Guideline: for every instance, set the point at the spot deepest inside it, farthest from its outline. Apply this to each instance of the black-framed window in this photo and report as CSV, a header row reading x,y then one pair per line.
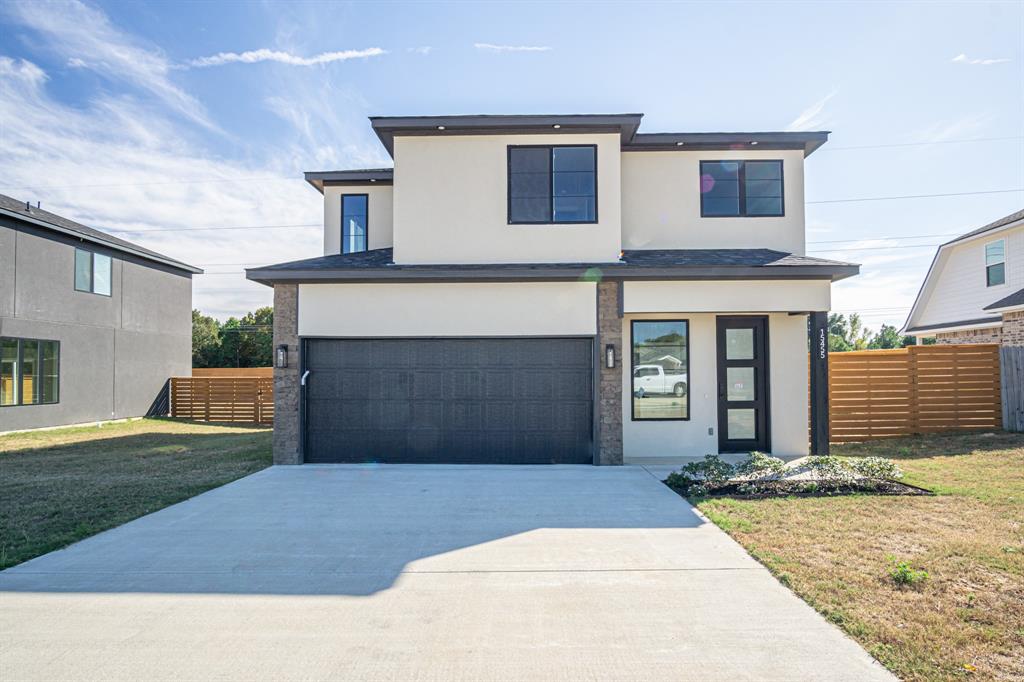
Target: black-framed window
x,y
92,272
29,372
660,370
741,188
995,263
552,184
355,209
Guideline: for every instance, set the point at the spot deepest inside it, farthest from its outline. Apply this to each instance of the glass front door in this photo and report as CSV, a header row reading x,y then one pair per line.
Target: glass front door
x,y
743,384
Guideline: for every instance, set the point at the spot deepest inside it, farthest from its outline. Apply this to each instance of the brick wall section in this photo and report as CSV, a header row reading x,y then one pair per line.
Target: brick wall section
x,y
992,335
1013,329
286,381
609,390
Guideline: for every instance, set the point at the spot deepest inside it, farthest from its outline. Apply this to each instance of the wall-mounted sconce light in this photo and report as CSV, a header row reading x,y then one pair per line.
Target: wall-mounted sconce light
x,y
609,356
282,357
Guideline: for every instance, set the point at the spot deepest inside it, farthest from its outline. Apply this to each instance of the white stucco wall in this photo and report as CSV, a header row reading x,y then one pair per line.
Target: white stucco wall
x,y
956,289
451,203
788,384
727,296
661,204
379,215
448,309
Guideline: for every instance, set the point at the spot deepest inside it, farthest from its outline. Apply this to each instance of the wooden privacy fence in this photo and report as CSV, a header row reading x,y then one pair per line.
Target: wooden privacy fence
x,y
1011,374
920,389
223,398
232,371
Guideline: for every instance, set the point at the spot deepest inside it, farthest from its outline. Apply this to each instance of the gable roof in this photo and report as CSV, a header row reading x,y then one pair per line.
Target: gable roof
x,y
1014,300
379,265
22,211
1005,221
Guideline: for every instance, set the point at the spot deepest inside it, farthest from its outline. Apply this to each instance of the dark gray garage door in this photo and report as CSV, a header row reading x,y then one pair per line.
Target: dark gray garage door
x,y
498,401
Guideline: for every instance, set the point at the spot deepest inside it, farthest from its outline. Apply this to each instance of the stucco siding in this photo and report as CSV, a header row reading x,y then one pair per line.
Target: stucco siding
x,y
7,251
448,309
451,203
957,291
661,204
725,296
380,210
697,437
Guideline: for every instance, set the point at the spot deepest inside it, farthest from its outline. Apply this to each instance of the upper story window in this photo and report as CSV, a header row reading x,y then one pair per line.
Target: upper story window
x,y
29,372
552,184
92,272
741,188
354,213
995,263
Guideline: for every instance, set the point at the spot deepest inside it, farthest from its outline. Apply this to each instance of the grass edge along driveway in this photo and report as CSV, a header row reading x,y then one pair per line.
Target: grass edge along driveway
x,y
966,619
62,485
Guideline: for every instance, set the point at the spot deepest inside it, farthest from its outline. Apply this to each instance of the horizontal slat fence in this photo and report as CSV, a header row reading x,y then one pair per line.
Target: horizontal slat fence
x,y
232,371
223,399
919,389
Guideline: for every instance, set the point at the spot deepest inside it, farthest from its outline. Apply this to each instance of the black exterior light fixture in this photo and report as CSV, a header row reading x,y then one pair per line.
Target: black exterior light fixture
x,y
281,361
609,356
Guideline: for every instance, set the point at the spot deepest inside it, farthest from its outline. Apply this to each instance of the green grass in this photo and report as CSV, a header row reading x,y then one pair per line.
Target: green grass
x,y
967,618
62,485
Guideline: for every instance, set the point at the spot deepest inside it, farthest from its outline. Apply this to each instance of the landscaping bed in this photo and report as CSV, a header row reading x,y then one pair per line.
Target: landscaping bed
x,y
807,488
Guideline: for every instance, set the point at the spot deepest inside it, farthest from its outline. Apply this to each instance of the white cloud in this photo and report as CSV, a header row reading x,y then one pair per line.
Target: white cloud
x,y
964,59
85,36
425,50
512,48
76,63
281,57
811,118
965,126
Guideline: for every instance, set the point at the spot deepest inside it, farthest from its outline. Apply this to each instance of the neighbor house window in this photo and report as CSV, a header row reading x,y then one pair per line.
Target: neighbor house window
x,y
660,369
92,272
354,211
741,188
29,372
995,263
553,184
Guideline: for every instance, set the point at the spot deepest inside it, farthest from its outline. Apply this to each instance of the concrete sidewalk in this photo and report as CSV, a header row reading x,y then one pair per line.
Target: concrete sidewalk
x,y
417,572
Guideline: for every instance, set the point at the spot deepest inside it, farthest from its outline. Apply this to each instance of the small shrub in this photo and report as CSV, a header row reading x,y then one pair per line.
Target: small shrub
x,y
809,487
829,468
760,465
904,575
712,470
679,481
877,467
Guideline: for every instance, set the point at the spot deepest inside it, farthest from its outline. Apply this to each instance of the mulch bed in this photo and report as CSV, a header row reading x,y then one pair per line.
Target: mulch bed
x,y
805,488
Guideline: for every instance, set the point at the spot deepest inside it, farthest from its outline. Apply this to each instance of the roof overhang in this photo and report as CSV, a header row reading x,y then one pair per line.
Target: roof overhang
x,y
956,326
543,272
74,234
369,176
388,127
659,142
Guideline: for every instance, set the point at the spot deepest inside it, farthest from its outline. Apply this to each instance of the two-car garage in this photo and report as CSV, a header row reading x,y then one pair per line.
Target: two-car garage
x,y
449,400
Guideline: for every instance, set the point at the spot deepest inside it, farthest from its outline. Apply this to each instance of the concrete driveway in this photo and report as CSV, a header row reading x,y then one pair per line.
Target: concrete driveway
x,y
417,573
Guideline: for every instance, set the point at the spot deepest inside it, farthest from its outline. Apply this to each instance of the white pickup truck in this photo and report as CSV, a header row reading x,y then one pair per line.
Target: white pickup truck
x,y
654,380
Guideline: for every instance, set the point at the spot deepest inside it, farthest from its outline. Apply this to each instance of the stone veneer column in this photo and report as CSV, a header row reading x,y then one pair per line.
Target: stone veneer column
x,y
286,381
608,411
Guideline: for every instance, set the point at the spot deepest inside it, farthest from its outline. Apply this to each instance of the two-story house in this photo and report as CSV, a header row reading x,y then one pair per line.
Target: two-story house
x,y
540,289
973,290
91,326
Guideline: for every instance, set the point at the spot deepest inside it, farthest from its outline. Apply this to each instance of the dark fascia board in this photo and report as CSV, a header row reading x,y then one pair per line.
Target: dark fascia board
x,y
387,127
956,323
113,246
583,272
660,142
369,176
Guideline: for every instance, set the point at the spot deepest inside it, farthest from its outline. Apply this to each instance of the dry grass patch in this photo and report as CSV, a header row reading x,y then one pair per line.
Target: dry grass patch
x,y
62,485
967,618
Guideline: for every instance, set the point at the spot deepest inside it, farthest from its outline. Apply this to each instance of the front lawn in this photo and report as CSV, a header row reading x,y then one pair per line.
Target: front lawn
x,y
966,619
62,485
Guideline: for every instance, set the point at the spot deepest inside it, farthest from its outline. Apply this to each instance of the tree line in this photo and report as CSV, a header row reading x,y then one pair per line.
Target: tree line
x,y
849,333
245,342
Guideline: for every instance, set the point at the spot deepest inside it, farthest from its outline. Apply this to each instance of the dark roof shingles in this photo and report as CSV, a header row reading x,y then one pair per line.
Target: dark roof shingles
x,y
1014,299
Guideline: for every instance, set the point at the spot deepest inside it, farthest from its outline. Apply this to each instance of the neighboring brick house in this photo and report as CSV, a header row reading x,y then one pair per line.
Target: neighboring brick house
x,y
91,326
974,289
555,289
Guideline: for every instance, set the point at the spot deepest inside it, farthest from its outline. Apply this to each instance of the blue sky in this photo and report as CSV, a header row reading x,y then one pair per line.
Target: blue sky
x,y
154,120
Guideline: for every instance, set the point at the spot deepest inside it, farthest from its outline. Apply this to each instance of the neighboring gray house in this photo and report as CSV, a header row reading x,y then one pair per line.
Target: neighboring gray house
x,y
494,297
91,326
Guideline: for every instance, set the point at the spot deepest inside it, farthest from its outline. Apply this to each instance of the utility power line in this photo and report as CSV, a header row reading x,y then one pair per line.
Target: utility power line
x,y
914,196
